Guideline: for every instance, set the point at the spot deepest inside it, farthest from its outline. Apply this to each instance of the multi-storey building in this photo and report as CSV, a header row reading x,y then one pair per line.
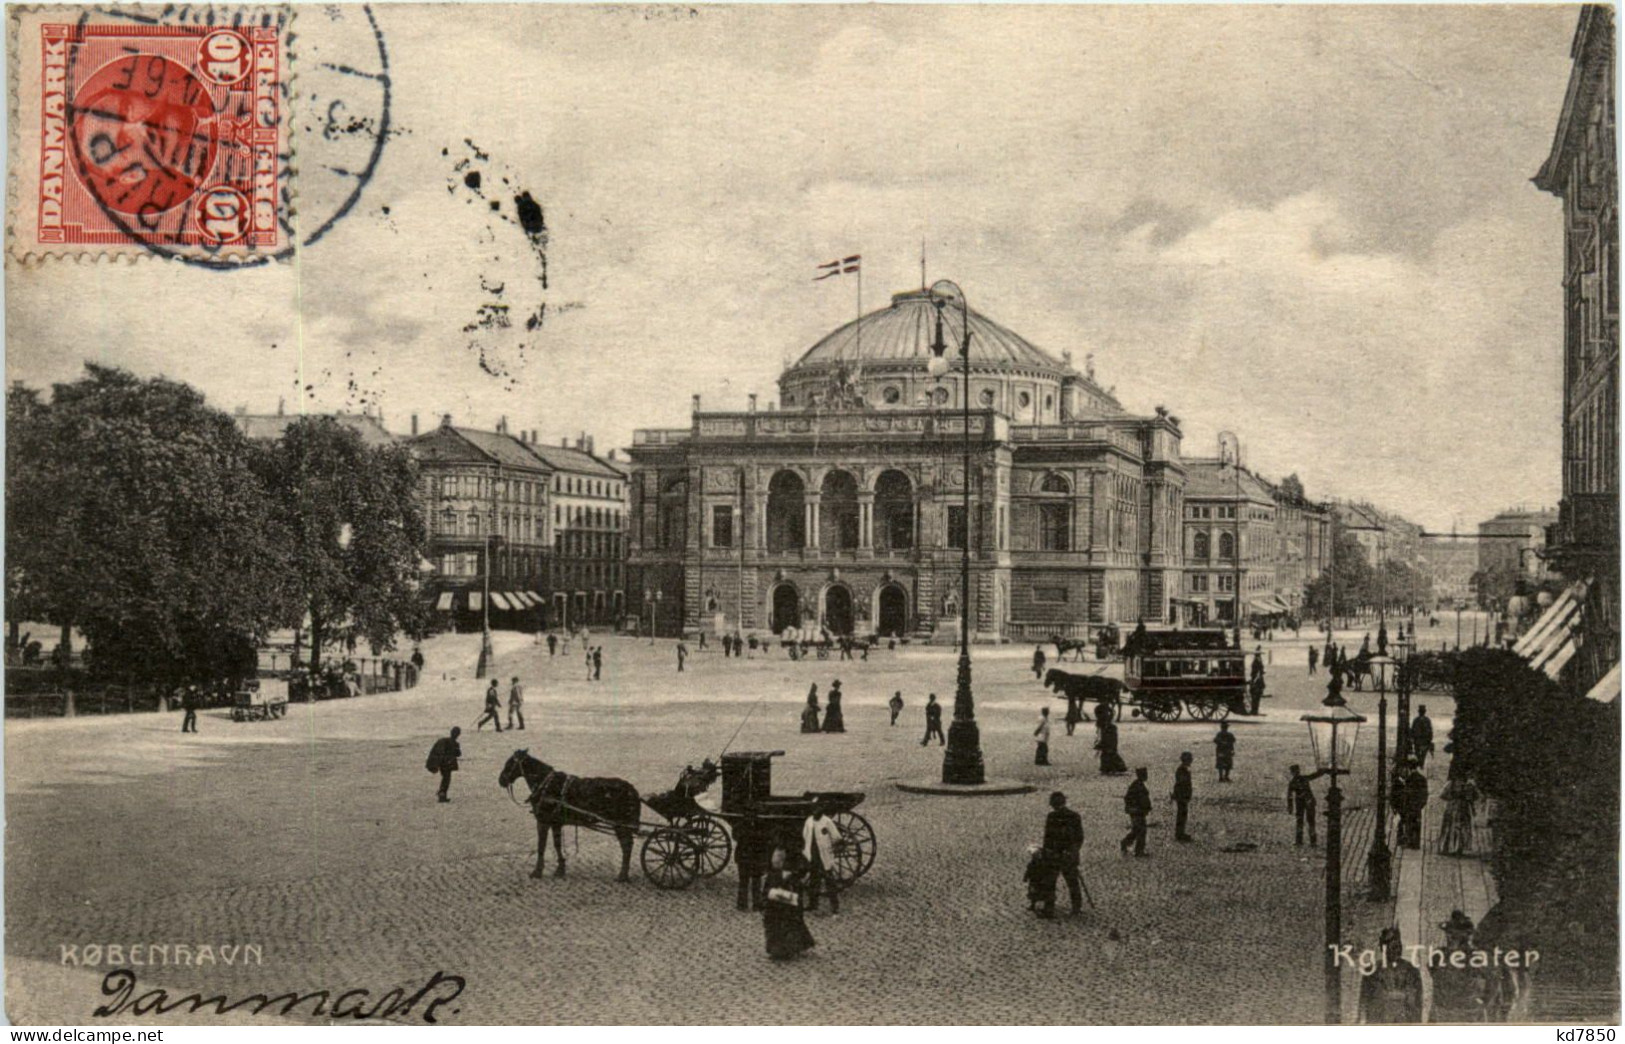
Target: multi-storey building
x,y
1582,170
844,509
1450,562
1302,544
1231,542
1513,544
486,503
588,510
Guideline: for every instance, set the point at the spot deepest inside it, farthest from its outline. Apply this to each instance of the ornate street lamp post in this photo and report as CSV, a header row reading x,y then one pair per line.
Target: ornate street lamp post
x,y
1332,733
1380,861
962,759
486,653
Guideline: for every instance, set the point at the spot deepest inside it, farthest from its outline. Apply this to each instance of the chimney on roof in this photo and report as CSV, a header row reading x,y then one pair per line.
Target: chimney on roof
x,y
502,424
589,445
445,420
696,404
564,442
279,404
753,402
414,424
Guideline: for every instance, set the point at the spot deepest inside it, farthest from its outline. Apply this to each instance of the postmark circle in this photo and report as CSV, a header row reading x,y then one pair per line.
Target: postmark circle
x,y
146,134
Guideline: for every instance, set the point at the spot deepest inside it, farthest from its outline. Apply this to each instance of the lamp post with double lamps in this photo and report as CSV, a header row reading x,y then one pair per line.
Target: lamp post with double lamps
x,y
1332,733
1379,862
962,759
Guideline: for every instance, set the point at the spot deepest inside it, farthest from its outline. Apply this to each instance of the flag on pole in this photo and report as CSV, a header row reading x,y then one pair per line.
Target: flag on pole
x,y
845,266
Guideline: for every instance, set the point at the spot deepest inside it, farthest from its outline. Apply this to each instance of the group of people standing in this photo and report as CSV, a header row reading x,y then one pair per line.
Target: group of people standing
x,y
784,880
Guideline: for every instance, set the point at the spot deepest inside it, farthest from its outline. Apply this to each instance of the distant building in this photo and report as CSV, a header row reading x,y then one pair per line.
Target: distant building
x,y
1302,544
1450,562
586,580
1366,525
1225,503
485,496
1582,171
1513,544
268,427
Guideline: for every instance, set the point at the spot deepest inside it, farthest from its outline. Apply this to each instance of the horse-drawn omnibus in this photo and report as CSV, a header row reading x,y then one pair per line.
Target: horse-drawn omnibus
x,y
1195,670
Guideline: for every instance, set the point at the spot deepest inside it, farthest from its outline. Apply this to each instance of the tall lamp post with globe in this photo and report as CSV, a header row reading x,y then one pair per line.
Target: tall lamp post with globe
x,y
1332,732
962,759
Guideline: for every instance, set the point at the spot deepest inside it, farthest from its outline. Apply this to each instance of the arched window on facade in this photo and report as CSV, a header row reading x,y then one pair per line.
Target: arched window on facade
x,y
894,512
1227,545
786,512
838,512
674,512
1202,546
1055,514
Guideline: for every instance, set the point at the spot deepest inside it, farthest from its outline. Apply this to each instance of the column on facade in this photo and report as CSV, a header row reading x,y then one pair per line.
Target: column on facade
x,y
866,519
813,502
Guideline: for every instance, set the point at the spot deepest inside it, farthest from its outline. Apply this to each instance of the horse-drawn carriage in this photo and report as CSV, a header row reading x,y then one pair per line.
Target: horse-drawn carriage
x,y
257,702
1194,671
691,841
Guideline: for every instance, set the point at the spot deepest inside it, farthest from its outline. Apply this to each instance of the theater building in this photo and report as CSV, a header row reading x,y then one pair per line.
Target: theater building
x,y
841,506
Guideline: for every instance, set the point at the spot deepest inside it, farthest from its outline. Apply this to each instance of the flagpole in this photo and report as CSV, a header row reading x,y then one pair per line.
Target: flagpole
x,y
860,314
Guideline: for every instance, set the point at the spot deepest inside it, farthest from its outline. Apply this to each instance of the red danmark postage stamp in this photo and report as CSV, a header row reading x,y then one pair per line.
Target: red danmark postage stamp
x,y
167,138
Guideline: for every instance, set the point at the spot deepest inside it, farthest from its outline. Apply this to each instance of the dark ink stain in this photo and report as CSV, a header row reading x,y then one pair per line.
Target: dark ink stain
x,y
472,180
530,215
496,205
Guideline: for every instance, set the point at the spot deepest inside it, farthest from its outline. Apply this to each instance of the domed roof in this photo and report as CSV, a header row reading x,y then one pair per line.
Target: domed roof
x,y
903,333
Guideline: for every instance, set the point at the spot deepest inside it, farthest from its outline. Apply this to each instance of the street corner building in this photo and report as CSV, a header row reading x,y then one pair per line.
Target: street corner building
x,y
842,506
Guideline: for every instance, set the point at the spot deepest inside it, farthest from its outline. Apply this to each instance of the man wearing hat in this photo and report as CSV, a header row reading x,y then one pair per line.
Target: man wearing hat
x,y
1063,840
1391,994
1137,803
1422,736
1182,794
1459,990
1410,800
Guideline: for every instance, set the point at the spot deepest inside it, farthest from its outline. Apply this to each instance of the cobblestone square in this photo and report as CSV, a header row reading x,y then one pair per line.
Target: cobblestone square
x,y
317,838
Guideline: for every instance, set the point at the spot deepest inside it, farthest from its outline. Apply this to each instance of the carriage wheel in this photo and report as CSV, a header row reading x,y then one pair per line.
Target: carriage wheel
x,y
855,852
1221,710
1161,708
711,841
1202,710
670,859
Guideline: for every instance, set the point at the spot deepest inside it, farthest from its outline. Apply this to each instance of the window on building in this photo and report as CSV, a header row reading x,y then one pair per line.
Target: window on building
x,y
956,525
1055,527
1227,582
1202,546
1198,582
1227,545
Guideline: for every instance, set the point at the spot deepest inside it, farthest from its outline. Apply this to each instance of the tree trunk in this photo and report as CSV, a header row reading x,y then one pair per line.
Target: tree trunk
x,y
316,637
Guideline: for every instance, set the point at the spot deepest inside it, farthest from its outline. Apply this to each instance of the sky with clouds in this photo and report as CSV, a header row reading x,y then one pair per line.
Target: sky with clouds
x,y
1310,225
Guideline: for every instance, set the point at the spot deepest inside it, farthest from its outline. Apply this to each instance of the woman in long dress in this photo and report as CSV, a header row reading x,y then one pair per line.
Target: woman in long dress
x,y
1111,763
809,716
783,923
833,720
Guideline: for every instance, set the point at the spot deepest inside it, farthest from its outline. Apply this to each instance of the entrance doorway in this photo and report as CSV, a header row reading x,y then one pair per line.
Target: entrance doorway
x,y
892,619
786,607
838,610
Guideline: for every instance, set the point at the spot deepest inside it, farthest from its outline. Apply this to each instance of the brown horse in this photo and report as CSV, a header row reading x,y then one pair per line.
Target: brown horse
x,y
1083,687
557,800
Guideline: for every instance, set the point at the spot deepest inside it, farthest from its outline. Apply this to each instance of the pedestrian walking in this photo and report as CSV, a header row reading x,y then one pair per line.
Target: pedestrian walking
x,y
417,658
682,653
1039,877
1391,994
1461,989
1137,803
702,639
493,708
819,838
1038,662
1314,655
1300,801
1111,762
933,721
1041,736
1412,801
1421,737
1181,797
1063,841
443,759
189,703
597,662
1224,751
833,719
783,923
516,704
1074,712
552,643
809,713
896,705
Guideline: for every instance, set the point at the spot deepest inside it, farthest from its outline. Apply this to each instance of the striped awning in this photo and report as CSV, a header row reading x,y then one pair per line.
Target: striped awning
x,y
526,599
537,596
476,601
1550,644
443,603
499,601
518,599
1606,690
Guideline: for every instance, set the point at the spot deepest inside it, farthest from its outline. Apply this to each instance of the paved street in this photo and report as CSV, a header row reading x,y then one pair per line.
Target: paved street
x,y
318,838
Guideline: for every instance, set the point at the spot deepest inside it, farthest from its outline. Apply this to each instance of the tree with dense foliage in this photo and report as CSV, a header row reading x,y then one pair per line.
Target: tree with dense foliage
x,y
1348,574
134,515
357,532
1292,487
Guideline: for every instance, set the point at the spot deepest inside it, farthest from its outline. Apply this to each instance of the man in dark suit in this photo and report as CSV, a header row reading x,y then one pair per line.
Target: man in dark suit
x,y
1182,797
933,721
1137,803
443,759
1063,840
189,705
1421,736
